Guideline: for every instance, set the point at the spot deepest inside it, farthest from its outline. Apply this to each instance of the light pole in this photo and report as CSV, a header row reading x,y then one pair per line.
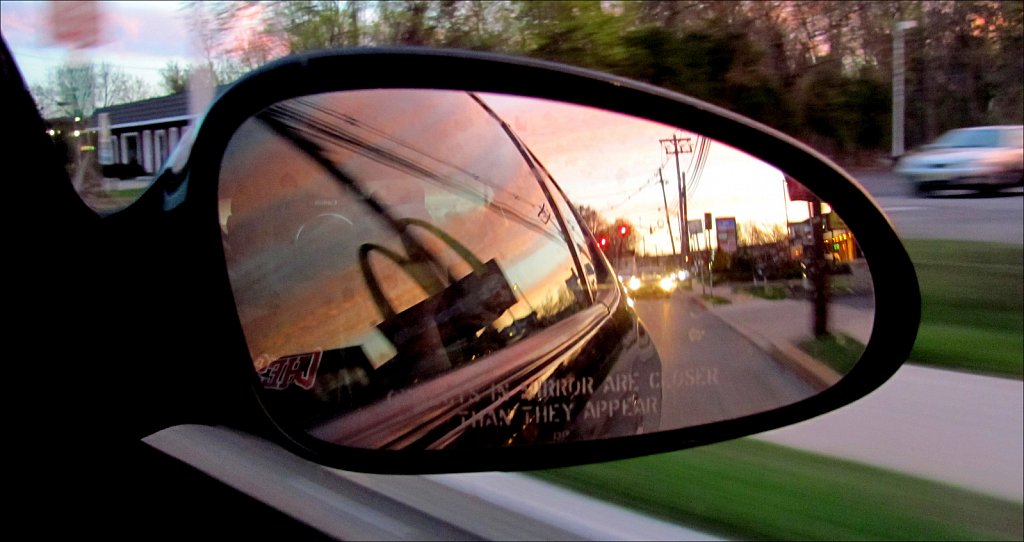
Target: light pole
x,y
897,86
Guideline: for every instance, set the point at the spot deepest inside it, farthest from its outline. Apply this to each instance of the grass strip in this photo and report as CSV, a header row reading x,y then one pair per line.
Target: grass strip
x,y
768,292
127,193
974,349
972,305
840,352
750,489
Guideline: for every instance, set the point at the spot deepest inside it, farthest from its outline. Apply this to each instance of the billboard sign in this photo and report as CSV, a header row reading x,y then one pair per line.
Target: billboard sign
x,y
726,228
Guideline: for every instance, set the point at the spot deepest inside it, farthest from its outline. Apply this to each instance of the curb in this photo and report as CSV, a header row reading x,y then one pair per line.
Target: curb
x,y
806,367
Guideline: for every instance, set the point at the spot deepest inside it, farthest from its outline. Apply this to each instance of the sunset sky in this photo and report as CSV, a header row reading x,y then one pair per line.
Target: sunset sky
x,y
608,161
140,37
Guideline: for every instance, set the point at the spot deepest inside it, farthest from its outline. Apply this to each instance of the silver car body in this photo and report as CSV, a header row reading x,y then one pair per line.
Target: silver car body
x,y
980,158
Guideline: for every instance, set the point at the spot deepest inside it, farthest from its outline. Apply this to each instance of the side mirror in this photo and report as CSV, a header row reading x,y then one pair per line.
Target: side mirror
x,y
413,244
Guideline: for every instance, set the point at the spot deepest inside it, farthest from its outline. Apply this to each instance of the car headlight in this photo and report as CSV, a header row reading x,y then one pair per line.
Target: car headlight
x,y
634,283
668,284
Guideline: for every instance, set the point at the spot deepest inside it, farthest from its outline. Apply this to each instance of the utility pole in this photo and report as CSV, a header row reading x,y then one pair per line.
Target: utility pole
x,y
643,237
684,231
898,77
668,223
684,228
785,207
818,270
711,261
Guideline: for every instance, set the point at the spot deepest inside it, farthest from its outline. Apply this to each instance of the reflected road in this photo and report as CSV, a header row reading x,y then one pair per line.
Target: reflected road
x,y
710,371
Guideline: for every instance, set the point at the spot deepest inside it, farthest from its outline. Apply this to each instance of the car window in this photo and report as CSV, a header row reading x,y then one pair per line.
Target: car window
x,y
968,139
599,278
1013,137
431,202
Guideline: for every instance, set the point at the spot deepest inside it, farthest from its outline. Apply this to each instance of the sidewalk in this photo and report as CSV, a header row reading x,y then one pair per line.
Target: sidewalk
x,y
778,326
959,428
955,427
110,185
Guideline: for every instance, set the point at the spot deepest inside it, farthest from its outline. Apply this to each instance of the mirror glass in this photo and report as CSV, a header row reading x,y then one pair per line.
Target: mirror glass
x,y
439,269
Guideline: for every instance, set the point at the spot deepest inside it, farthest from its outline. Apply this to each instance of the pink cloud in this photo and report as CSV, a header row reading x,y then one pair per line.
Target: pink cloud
x,y
20,23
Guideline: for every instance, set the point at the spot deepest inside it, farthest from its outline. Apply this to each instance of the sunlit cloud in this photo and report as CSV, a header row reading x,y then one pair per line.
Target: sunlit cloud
x,y
20,23
138,37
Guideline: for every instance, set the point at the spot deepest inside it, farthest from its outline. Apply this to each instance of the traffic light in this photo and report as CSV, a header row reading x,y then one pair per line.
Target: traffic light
x,y
603,241
623,230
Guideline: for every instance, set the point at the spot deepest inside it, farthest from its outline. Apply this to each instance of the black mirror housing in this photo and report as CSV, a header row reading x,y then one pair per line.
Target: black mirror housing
x,y
192,197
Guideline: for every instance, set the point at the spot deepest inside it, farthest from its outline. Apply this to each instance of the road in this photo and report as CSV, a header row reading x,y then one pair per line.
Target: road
x,y
969,218
709,371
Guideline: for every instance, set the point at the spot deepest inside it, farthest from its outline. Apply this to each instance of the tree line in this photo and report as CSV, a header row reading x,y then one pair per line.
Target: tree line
x,y
818,70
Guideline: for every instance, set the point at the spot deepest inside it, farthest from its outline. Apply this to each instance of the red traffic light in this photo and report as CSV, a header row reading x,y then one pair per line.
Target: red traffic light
x,y
603,241
623,230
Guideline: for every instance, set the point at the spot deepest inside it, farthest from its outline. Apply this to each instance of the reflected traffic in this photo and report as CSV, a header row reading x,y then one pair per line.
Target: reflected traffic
x,y
409,273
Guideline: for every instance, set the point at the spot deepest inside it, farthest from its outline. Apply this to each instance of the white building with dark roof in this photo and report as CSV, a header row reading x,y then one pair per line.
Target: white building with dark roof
x,y
144,132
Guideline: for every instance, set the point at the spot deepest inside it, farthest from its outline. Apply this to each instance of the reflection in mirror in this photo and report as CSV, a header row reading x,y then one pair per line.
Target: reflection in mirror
x,y
409,274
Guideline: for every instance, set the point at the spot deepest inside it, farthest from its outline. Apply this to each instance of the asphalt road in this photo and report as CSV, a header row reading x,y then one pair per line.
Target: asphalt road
x,y
709,371
963,217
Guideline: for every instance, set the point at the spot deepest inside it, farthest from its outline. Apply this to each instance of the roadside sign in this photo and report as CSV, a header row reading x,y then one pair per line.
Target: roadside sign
x,y
694,226
798,192
726,231
707,221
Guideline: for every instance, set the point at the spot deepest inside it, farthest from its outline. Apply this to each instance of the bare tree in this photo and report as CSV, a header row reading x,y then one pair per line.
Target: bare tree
x,y
78,90
175,77
114,86
591,218
754,234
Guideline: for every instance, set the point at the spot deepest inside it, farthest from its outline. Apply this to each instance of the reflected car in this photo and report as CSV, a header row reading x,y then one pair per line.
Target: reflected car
x,y
985,158
653,285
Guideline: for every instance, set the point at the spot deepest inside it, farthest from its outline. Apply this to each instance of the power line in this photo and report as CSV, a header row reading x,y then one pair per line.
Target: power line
x,y
648,183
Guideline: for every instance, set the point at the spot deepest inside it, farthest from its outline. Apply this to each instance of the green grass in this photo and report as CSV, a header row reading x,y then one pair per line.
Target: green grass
x,y
972,305
717,300
128,193
768,292
841,352
749,489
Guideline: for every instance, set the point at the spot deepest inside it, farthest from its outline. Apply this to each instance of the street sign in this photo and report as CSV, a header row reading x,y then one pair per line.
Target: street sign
x,y
694,226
